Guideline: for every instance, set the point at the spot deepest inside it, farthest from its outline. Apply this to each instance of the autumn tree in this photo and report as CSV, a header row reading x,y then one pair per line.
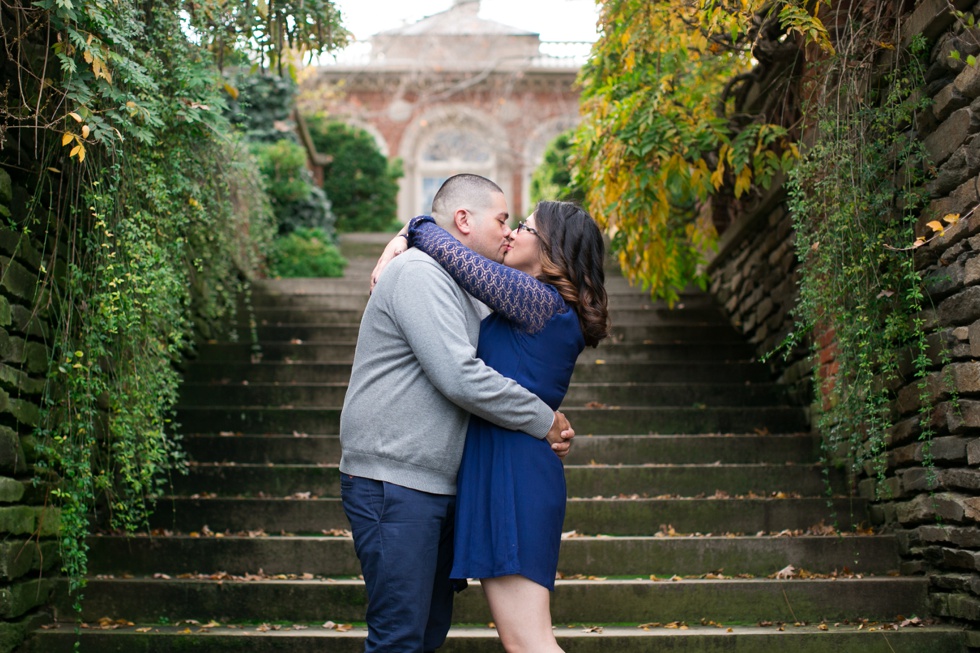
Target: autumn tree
x,y
660,133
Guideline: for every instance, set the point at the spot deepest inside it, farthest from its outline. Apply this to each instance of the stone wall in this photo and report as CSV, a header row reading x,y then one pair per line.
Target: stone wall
x,y
934,509
28,527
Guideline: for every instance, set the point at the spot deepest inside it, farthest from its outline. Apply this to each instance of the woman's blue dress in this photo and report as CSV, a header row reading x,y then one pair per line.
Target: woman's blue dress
x,y
510,501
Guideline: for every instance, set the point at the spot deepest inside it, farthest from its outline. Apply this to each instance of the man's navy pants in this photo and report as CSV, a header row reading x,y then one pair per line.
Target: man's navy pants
x,y
404,540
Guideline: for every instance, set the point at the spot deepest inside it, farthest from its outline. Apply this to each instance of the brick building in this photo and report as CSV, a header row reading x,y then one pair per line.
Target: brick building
x,y
454,93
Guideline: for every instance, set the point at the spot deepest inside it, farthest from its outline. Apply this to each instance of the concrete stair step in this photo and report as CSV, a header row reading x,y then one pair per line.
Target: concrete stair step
x,y
589,556
694,449
325,352
623,372
579,394
595,421
643,313
611,516
275,330
574,601
676,394
322,480
576,638
602,449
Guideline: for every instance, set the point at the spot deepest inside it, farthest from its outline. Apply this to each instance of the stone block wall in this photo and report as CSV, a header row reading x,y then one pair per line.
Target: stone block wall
x,y
755,279
931,491
28,526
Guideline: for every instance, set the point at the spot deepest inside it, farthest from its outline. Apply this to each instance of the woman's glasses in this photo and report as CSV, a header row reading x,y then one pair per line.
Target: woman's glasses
x,y
523,226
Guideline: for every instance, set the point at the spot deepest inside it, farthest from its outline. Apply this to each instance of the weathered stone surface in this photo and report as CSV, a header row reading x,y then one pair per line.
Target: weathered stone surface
x,y
954,535
20,597
973,452
12,458
961,308
18,280
952,132
948,506
963,164
17,520
19,557
6,188
10,490
964,479
918,479
948,100
963,417
29,520
930,19
964,606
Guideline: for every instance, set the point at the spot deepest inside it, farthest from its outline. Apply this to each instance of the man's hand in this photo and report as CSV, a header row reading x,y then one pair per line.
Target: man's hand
x,y
396,246
560,436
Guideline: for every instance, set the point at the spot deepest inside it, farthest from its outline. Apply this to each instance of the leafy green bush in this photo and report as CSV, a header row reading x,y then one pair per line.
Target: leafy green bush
x,y
297,203
306,253
361,184
552,180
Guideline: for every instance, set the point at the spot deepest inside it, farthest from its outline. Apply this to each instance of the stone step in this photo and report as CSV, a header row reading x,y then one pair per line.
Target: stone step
x,y
322,480
596,421
629,372
645,313
588,556
611,516
579,394
573,638
327,352
574,601
277,331
604,449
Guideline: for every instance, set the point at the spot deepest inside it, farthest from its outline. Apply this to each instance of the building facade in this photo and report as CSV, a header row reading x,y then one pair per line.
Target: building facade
x,y
454,93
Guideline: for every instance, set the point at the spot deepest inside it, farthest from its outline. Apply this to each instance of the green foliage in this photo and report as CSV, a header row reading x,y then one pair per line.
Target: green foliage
x,y
658,135
269,31
263,109
151,221
855,195
297,203
552,180
282,163
305,253
361,184
262,106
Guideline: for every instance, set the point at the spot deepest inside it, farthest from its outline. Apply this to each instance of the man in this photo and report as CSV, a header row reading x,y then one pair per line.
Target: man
x,y
416,380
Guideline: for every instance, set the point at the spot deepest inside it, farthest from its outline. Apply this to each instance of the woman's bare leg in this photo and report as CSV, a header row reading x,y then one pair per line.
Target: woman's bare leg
x,y
522,612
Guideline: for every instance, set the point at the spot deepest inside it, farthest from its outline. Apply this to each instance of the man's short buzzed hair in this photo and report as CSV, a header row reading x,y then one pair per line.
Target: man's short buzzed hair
x,y
460,190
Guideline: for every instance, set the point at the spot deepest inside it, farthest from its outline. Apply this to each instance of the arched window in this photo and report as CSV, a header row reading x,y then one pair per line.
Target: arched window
x,y
447,152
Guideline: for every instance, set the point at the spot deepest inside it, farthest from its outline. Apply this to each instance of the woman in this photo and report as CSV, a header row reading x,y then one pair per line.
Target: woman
x,y
549,302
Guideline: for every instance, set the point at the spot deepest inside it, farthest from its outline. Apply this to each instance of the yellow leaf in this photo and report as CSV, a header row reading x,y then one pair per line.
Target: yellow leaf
x,y
919,242
131,104
75,150
85,131
66,139
936,225
231,90
951,218
77,117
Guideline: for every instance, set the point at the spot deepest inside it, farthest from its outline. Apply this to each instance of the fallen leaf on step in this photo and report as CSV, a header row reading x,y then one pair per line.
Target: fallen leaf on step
x,y
789,571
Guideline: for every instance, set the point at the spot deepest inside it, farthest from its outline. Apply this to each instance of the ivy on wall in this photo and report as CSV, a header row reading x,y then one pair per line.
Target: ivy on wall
x,y
151,212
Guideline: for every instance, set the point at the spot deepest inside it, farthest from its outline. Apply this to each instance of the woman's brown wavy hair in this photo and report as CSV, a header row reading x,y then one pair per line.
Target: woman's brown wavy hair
x,y
572,256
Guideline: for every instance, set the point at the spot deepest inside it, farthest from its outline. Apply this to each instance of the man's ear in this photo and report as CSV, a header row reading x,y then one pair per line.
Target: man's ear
x,y
461,218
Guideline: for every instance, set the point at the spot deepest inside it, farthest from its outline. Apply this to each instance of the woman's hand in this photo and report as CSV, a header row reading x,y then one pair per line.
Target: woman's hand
x,y
396,246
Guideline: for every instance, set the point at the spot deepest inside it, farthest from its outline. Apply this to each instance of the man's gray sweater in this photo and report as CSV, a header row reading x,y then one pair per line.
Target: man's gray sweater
x,y
417,378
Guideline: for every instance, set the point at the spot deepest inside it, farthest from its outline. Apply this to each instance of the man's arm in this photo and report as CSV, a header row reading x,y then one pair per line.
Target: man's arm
x,y
426,305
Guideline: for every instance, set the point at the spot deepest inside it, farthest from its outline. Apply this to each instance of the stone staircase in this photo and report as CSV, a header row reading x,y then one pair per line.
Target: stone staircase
x,y
698,516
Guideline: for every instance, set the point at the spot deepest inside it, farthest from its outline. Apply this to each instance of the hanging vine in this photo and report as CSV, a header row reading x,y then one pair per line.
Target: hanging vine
x,y
150,214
